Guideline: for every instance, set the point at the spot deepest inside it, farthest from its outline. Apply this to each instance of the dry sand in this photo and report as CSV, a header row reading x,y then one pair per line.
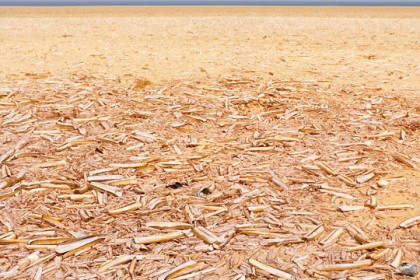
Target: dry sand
x,y
375,47
217,98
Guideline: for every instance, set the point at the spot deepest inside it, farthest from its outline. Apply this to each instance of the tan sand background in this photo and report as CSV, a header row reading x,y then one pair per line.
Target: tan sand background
x,y
371,46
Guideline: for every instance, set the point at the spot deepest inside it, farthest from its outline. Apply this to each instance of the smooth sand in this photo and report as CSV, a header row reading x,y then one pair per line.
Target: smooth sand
x,y
374,47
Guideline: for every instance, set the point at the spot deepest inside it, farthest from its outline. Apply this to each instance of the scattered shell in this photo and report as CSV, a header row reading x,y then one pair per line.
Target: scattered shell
x,y
268,168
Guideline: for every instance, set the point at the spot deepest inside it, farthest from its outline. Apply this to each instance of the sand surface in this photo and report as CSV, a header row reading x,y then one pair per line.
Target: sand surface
x,y
217,98
375,47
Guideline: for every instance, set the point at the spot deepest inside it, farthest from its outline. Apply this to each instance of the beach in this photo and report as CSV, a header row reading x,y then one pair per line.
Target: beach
x,y
360,44
209,142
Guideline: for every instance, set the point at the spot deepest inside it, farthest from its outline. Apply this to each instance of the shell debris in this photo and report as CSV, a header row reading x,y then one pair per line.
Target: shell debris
x,y
234,178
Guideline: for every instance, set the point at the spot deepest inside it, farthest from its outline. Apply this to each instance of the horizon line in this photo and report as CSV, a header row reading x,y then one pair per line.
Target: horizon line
x,y
214,5
73,3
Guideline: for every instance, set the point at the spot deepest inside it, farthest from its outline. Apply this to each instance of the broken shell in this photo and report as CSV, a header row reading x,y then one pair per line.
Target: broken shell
x,y
382,183
204,192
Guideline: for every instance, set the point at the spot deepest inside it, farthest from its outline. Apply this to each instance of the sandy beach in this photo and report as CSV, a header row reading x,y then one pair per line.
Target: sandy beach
x,y
364,46
209,142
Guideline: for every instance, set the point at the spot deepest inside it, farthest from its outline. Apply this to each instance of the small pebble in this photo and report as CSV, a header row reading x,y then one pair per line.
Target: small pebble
x,y
408,269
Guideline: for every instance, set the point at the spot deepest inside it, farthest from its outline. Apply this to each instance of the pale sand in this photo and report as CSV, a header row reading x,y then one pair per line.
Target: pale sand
x,y
376,47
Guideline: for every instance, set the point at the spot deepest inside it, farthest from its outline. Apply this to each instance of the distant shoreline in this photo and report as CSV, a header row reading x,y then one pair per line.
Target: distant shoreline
x,y
104,3
257,11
